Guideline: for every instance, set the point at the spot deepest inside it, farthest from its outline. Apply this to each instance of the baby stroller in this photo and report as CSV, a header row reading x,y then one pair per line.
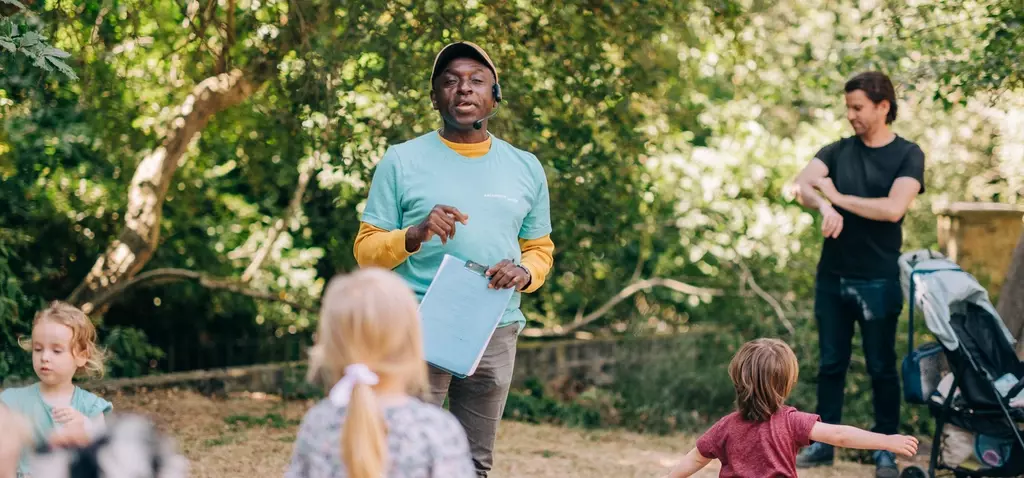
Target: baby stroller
x,y
983,372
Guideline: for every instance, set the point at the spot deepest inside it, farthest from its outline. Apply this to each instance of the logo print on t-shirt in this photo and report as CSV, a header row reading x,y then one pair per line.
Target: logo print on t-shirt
x,y
501,196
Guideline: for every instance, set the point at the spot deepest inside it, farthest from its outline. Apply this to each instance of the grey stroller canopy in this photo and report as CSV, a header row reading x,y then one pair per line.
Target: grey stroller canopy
x,y
942,289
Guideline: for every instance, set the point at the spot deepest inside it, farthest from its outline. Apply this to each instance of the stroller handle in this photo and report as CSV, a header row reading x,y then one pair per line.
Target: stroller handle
x,y
912,300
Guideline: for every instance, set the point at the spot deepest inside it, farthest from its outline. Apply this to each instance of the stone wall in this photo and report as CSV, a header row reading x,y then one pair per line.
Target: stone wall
x,y
980,237
586,361
553,363
267,378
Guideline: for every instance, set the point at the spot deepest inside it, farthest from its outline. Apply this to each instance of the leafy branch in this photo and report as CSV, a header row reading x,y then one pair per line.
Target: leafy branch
x,y
32,45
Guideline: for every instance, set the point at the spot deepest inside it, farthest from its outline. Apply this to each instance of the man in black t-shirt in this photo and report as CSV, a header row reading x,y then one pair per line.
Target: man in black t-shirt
x,y
868,181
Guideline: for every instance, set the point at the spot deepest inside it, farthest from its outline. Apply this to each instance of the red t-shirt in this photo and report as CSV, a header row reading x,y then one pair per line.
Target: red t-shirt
x,y
751,449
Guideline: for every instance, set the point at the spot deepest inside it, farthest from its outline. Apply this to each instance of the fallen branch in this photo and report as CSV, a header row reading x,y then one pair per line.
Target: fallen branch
x,y
749,279
168,275
560,330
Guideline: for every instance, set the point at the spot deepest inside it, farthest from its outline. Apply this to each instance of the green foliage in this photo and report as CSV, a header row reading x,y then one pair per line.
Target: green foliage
x,y
16,311
296,387
130,353
668,131
689,388
32,45
967,46
531,405
684,389
272,420
683,386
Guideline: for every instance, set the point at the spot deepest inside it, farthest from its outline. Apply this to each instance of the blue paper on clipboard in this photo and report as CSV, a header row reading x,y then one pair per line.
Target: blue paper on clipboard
x,y
459,314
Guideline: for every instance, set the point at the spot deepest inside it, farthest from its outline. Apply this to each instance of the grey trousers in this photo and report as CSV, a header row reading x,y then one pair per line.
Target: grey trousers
x,y
478,400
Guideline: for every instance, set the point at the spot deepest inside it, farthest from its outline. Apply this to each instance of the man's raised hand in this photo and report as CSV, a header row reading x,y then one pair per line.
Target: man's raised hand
x,y
441,222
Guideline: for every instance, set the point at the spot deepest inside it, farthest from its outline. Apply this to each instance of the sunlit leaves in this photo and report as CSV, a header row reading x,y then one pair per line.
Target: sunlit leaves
x,y
34,47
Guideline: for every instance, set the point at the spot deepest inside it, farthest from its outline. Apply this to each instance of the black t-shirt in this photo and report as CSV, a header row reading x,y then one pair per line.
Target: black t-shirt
x,y
866,248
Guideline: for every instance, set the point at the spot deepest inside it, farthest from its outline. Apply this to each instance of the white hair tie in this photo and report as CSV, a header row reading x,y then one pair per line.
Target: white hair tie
x,y
355,374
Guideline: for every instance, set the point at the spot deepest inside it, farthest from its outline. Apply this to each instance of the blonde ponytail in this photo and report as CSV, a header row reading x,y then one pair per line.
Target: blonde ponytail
x,y
364,447
369,334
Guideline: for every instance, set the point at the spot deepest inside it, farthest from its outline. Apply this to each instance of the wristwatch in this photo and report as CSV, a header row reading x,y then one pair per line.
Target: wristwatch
x,y
529,277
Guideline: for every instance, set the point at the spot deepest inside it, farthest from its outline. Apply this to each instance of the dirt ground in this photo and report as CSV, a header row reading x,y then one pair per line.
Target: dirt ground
x,y
251,435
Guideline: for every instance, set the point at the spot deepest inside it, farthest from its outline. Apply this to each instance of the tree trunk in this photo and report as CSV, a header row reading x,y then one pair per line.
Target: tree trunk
x,y
134,247
1011,297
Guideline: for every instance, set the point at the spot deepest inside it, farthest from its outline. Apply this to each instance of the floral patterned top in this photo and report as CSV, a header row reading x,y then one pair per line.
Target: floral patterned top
x,y
424,441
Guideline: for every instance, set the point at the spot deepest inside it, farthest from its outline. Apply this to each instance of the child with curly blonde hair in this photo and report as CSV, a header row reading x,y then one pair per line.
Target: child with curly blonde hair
x,y
63,345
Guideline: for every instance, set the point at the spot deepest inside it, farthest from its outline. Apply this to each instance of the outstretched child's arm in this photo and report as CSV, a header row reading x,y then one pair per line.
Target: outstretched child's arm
x,y
690,464
851,437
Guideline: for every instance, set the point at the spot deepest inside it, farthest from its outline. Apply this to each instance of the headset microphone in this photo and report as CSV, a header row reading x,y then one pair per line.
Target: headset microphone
x,y
496,93
480,122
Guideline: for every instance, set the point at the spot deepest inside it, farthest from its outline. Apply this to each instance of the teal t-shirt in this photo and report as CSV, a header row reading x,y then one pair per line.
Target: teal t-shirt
x,y
504,193
28,401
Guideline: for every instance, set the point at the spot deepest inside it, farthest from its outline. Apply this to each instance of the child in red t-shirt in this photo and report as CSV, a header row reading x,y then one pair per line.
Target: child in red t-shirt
x,y
762,437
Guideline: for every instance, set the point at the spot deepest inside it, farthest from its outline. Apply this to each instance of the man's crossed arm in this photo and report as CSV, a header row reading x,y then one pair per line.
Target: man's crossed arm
x,y
814,180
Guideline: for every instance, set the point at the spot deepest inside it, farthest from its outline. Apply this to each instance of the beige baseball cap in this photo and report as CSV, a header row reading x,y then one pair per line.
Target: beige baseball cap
x,y
461,49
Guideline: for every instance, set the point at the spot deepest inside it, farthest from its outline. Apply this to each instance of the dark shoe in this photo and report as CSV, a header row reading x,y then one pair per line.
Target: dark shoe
x,y
818,454
885,465
913,471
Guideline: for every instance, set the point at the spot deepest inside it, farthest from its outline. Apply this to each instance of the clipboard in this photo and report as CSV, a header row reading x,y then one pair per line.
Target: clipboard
x,y
459,314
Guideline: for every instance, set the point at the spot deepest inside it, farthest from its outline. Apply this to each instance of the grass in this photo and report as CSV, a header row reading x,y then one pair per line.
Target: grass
x,y
272,420
251,434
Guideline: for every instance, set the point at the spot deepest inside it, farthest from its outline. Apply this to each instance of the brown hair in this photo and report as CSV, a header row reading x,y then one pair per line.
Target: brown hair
x,y
368,317
877,86
83,334
763,372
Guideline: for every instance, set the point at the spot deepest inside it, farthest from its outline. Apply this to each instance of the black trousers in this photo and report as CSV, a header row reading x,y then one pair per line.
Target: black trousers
x,y
874,304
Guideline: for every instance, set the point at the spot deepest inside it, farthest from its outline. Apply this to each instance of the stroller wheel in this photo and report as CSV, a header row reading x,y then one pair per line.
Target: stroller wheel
x,y
913,471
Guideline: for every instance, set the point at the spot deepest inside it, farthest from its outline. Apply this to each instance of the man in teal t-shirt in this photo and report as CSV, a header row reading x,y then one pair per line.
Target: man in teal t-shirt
x,y
464,192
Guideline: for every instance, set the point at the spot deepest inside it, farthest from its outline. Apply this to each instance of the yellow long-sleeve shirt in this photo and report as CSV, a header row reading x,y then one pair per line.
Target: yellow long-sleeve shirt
x,y
382,248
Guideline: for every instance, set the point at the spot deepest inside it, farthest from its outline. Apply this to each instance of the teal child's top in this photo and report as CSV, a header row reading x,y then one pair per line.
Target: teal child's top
x,y
28,401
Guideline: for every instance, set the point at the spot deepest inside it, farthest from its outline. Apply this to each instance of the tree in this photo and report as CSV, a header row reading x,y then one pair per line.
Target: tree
x,y
325,51
134,247
1011,297
200,161
202,179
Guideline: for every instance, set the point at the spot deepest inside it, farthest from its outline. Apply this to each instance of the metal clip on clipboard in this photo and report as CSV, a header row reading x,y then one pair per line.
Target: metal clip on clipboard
x,y
476,267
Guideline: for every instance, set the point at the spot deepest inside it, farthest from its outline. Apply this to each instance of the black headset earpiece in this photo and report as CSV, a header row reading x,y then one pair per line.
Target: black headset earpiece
x,y
496,92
